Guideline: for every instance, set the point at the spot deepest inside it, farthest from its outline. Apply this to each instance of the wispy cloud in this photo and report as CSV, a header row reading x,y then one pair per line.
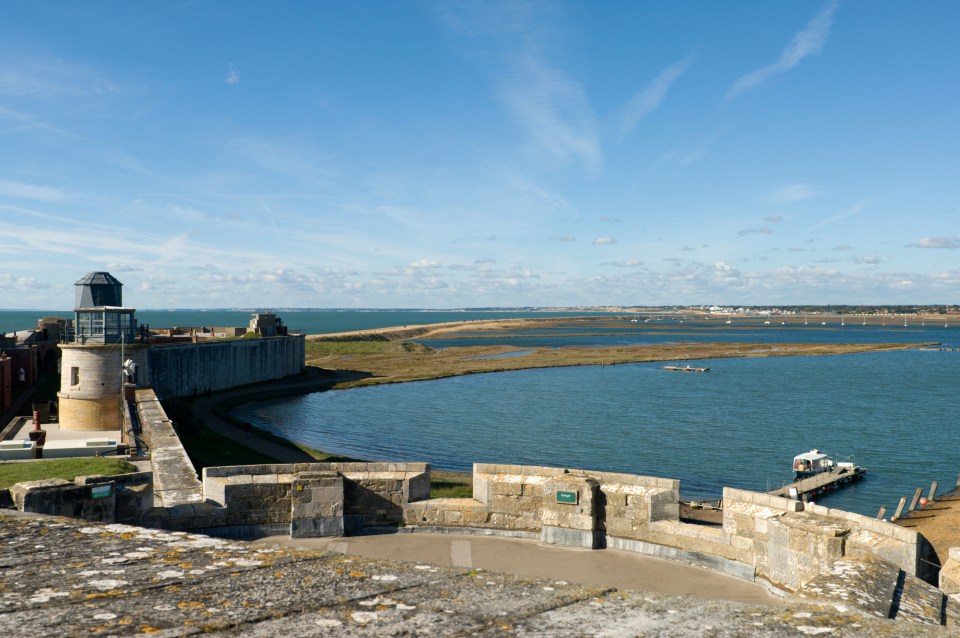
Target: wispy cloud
x,y
563,238
791,193
604,241
773,219
844,214
518,43
19,190
944,243
762,230
648,99
842,247
807,42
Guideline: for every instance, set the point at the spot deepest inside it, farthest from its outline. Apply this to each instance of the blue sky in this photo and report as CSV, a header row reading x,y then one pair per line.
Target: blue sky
x,y
451,154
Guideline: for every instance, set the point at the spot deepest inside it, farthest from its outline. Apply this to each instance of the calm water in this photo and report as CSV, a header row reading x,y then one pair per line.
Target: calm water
x,y
308,322
738,425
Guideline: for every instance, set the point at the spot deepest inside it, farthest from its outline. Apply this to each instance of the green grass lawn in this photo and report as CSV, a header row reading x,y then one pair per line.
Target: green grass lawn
x,y
69,469
206,448
440,488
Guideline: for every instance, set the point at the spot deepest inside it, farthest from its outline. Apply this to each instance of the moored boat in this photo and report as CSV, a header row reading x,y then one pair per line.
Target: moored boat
x,y
812,463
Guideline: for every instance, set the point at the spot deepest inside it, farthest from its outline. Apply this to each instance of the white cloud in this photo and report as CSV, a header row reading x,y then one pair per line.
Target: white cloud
x,y
807,42
623,263
773,219
233,75
604,241
122,267
649,97
563,238
946,243
866,260
424,263
841,247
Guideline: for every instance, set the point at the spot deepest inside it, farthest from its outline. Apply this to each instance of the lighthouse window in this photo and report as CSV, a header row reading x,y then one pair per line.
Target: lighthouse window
x,y
74,376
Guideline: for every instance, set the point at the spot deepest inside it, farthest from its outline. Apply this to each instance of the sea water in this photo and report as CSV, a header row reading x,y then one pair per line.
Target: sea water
x,y
303,321
738,425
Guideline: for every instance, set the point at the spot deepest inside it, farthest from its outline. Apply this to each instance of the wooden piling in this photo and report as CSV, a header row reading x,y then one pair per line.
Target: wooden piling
x,y
903,503
882,512
933,491
916,499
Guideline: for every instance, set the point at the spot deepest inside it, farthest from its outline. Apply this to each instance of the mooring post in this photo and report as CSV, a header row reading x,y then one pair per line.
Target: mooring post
x,y
916,498
882,512
903,503
933,491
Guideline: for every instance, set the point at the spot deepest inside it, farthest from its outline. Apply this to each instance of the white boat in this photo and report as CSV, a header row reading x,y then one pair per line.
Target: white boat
x,y
811,463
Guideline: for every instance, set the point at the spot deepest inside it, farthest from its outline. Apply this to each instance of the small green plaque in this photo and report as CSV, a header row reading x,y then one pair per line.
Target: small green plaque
x,y
101,491
570,498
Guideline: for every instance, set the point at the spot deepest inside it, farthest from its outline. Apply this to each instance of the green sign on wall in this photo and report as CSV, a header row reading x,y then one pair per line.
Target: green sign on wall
x,y
570,498
101,491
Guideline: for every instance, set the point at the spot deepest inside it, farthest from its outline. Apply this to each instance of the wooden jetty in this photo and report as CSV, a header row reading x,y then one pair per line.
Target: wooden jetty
x,y
820,483
686,369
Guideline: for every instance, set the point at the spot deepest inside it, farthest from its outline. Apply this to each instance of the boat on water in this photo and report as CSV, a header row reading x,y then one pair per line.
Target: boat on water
x,y
812,463
686,368
817,474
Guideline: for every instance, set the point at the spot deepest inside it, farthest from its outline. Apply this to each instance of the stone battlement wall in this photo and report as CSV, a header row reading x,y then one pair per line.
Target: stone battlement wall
x,y
179,370
787,542
266,496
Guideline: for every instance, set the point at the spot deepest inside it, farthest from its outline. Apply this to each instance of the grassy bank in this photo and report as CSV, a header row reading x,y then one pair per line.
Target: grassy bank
x,y
207,448
68,469
398,362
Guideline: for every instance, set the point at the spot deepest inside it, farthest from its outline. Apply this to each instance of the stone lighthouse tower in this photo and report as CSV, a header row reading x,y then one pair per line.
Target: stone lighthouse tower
x,y
92,376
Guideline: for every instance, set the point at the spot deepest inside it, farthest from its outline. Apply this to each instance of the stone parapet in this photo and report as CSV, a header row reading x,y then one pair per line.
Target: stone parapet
x,y
175,479
950,572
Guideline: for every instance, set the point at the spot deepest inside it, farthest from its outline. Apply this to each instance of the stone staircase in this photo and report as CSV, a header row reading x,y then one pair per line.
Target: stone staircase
x,y
878,589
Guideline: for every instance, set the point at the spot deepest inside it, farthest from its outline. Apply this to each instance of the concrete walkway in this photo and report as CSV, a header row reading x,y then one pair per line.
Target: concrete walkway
x,y
530,559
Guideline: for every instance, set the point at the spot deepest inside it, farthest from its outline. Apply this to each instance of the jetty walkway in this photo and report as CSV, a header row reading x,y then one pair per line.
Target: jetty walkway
x,y
820,483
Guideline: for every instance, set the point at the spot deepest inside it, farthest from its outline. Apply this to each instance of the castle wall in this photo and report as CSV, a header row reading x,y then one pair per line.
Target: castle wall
x,y
787,542
178,370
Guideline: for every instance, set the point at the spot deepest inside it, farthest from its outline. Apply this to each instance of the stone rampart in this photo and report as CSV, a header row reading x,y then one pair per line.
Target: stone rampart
x,y
175,479
264,497
782,540
107,499
179,370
